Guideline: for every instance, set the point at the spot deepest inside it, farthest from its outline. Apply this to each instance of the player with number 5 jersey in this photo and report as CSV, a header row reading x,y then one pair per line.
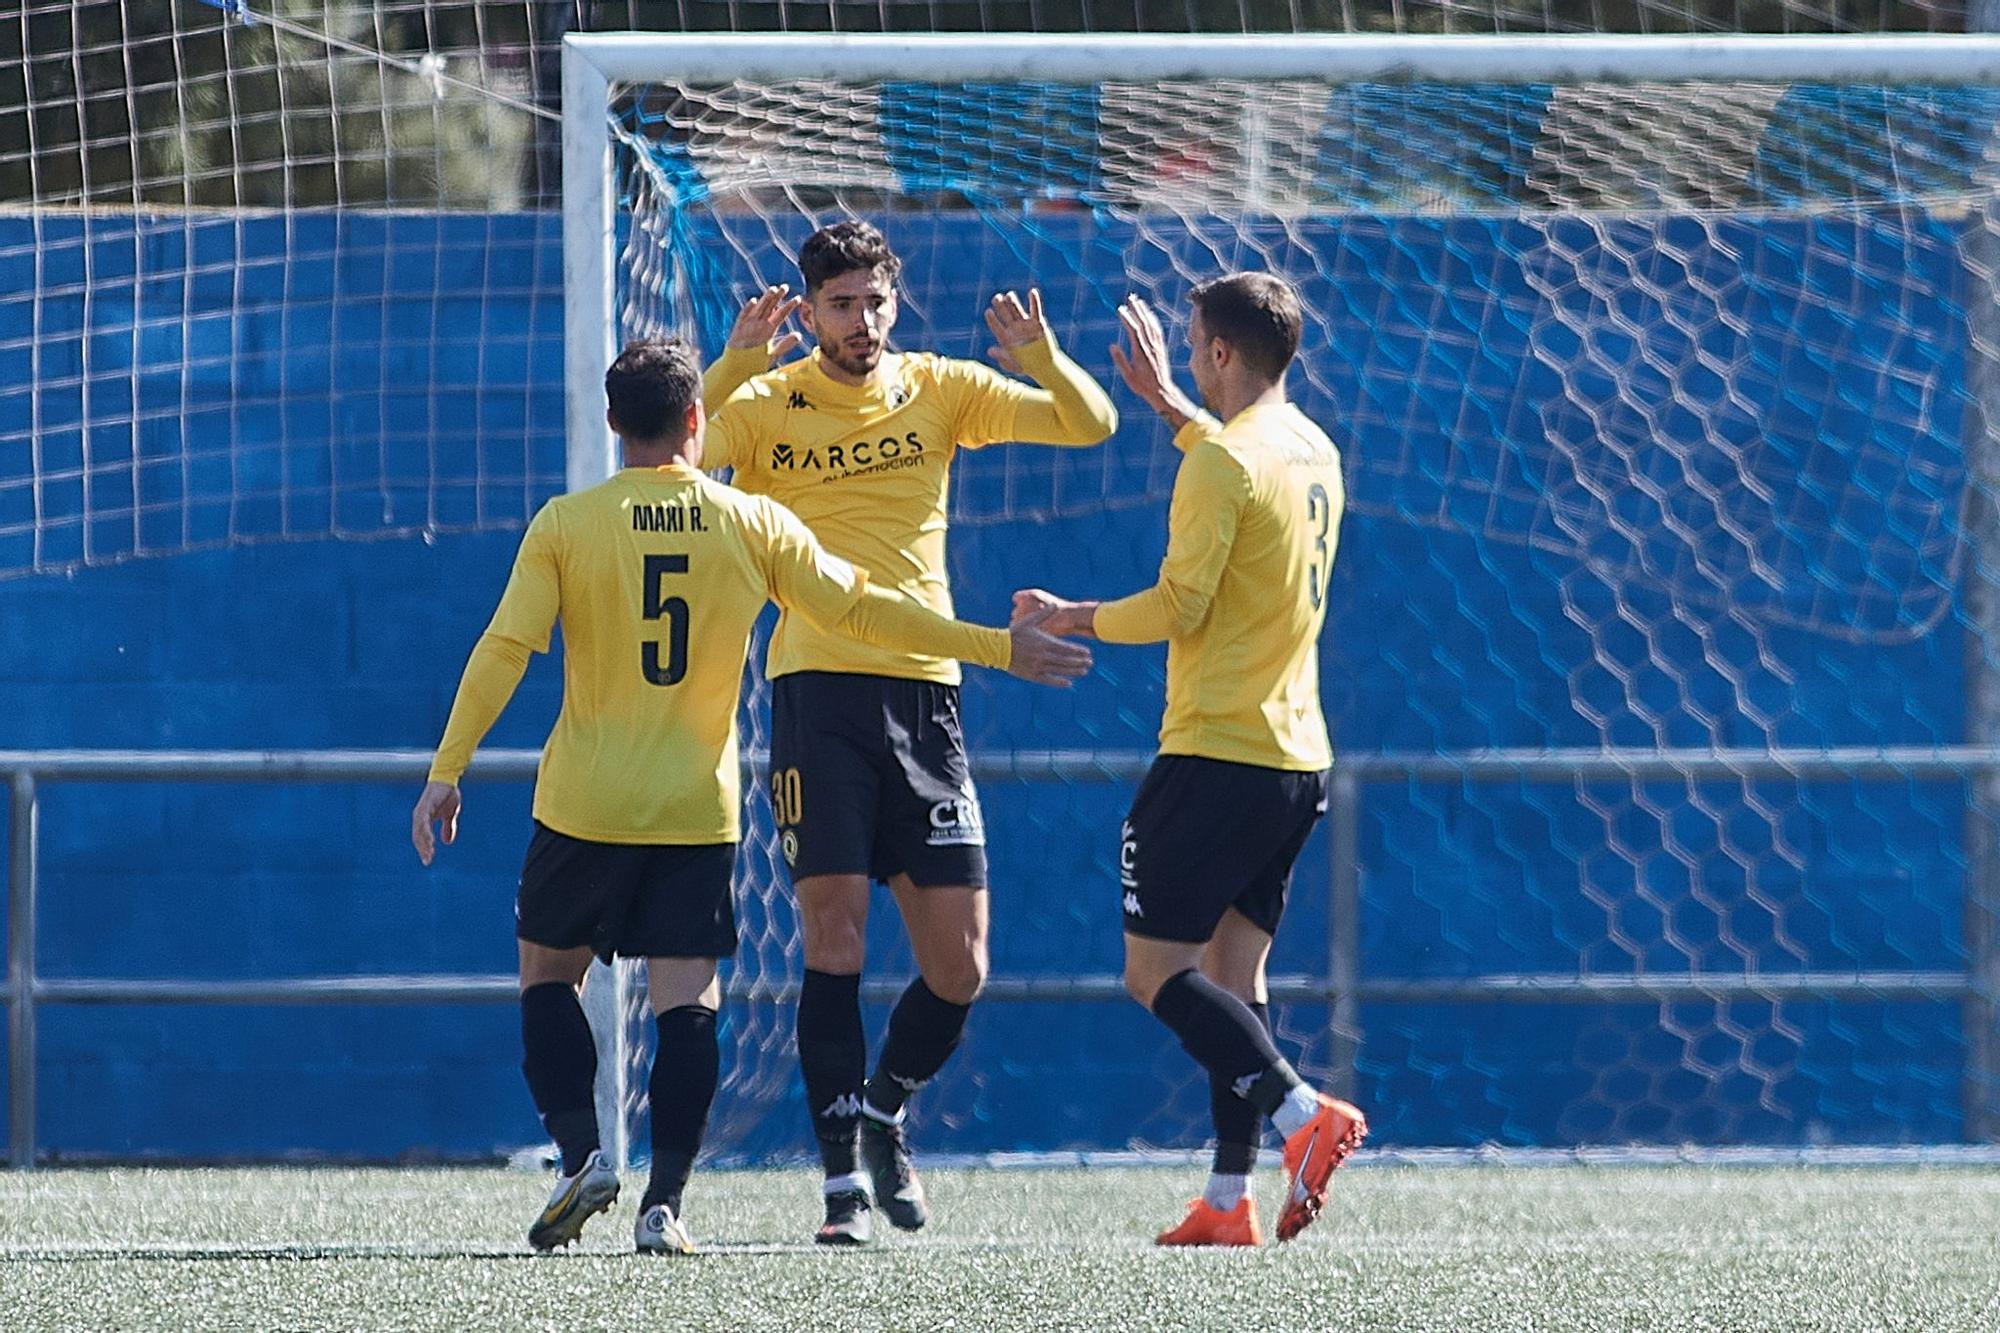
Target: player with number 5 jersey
x,y
656,576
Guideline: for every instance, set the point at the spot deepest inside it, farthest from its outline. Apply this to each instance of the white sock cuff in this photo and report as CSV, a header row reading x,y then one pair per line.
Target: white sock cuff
x,y
1226,1191
853,1180
1297,1110
879,1116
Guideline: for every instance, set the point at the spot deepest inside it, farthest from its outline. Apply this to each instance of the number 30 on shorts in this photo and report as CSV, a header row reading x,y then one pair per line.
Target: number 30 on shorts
x,y
787,801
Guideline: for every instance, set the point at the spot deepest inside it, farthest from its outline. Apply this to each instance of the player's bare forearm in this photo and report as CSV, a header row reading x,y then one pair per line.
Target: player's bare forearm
x,y
1167,399
1176,409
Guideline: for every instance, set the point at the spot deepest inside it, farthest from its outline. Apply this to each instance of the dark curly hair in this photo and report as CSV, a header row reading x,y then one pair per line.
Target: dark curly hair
x,y
846,247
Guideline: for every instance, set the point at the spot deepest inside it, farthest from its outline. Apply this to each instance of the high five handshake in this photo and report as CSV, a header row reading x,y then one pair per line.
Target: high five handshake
x,y
837,511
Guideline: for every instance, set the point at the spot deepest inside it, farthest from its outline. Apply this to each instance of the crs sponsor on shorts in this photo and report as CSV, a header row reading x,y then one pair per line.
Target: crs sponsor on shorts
x,y
957,823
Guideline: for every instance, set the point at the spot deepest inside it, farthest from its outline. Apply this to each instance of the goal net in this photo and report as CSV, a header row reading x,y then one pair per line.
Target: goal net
x,y
267,275
1666,379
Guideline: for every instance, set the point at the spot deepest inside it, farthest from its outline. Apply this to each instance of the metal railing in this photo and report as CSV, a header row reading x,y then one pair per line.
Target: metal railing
x,y
1343,988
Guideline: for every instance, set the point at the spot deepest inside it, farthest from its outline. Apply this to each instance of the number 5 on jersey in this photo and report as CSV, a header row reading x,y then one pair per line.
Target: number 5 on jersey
x,y
675,611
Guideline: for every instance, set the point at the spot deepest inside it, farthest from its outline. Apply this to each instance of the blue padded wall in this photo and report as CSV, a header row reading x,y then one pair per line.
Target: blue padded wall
x,y
1440,637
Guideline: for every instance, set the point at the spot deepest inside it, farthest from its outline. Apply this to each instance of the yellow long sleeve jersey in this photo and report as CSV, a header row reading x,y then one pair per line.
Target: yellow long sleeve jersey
x,y
1251,535
868,468
657,576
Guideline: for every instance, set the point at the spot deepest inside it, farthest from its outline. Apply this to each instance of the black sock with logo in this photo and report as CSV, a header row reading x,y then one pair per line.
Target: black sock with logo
x,y
1226,1039
923,1032
1239,1130
833,1057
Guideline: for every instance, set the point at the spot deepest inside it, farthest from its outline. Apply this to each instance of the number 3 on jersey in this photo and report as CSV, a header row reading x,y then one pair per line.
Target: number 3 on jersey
x,y
675,612
1319,513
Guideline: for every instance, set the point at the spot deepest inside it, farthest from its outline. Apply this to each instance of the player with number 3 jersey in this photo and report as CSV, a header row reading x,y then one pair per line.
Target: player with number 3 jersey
x,y
1206,853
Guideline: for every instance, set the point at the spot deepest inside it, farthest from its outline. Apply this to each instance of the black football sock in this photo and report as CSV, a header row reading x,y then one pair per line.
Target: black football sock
x,y
923,1032
681,1089
1226,1039
559,1056
833,1057
1239,1130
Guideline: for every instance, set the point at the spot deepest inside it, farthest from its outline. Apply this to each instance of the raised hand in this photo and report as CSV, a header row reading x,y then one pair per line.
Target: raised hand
x,y
438,804
1014,325
1040,656
757,324
1145,367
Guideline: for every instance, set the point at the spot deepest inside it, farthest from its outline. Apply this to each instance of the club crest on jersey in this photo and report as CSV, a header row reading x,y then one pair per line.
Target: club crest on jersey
x,y
957,823
898,395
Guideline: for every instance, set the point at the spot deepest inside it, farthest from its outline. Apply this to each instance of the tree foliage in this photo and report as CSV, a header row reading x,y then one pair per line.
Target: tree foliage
x,y
137,102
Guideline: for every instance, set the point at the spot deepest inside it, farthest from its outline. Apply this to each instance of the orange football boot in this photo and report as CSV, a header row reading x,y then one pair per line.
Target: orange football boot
x,y
1205,1224
1311,1155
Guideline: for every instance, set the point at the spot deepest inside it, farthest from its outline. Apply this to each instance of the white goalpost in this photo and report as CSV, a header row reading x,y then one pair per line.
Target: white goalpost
x,y
1668,375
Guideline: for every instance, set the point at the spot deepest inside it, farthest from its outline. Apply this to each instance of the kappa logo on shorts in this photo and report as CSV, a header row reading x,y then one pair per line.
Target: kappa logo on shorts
x,y
1128,855
957,823
844,1106
1132,907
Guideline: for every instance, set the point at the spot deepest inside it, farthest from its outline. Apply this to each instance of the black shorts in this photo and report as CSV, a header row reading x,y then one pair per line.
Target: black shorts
x,y
869,777
1206,835
635,901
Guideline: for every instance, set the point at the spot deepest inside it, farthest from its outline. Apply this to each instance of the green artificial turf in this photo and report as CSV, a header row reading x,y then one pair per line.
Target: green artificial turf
x,y
1471,1247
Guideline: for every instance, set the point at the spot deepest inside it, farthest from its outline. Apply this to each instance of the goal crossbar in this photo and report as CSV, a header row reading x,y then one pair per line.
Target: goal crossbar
x,y
1142,58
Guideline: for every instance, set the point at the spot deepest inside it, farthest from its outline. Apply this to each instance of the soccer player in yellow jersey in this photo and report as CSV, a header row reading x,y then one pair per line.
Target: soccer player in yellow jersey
x,y
1241,777
656,576
867,745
